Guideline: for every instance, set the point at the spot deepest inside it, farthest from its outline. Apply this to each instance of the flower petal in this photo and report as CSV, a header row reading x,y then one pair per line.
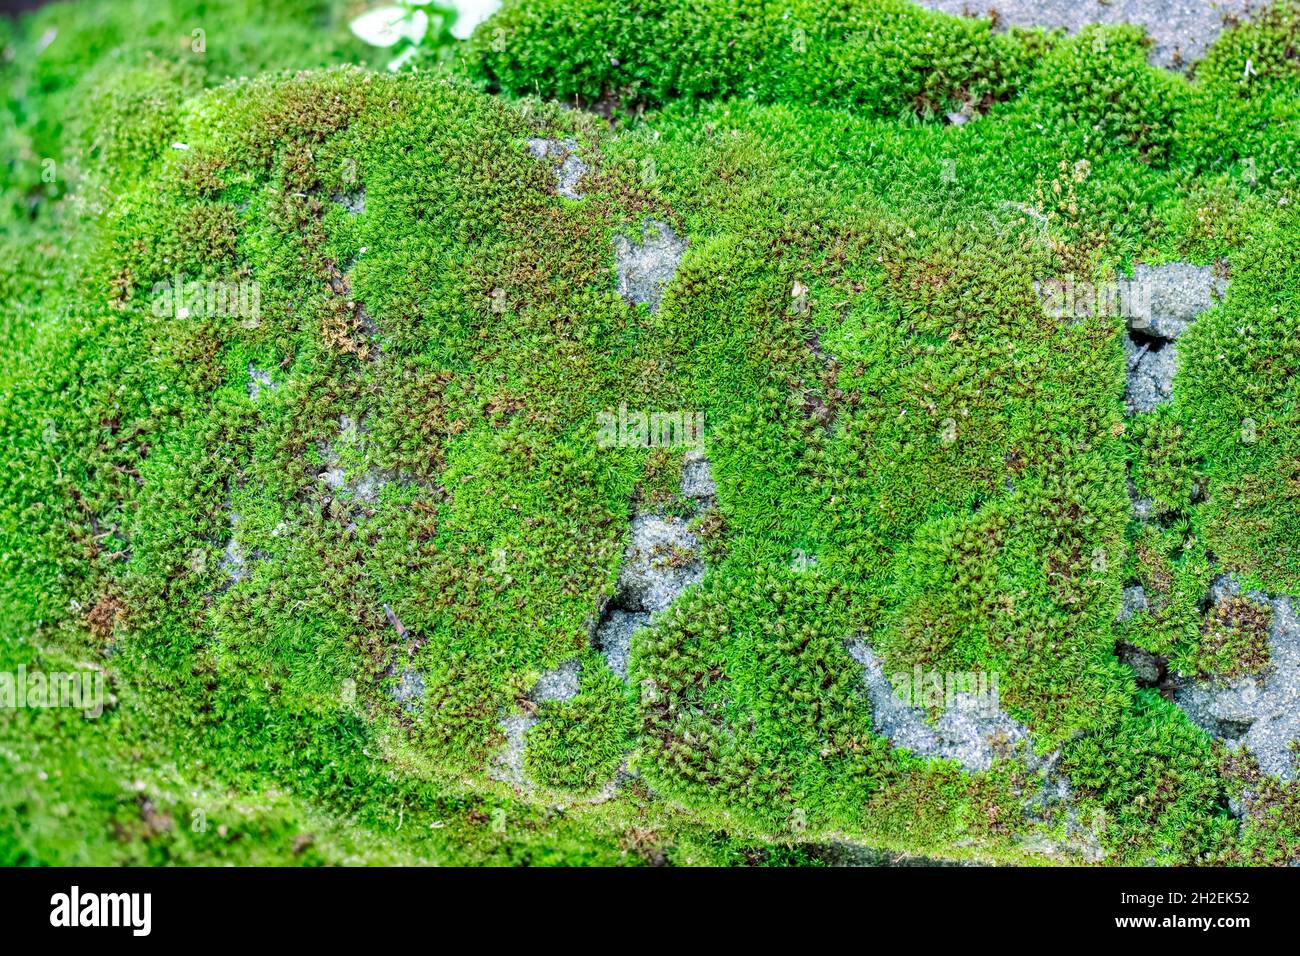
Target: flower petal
x,y
381,27
470,13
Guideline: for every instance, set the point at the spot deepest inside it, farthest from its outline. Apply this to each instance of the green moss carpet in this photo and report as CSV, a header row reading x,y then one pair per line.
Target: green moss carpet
x,y
305,372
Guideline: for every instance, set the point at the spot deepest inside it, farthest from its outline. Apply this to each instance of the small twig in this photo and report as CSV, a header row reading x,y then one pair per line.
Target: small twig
x,y
394,620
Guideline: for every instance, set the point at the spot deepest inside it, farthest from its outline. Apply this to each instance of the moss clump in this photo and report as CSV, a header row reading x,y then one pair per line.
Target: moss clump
x,y
1166,470
1271,811
579,744
1153,777
886,57
1234,639
1098,85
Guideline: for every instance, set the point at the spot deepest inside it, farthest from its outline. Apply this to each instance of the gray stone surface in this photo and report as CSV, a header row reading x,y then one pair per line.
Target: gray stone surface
x,y
408,690
645,268
1146,666
558,684
354,202
1182,30
1150,375
1258,712
697,477
232,559
364,488
1133,600
571,168
508,762
614,637
966,731
1179,292
258,381
662,561
1144,509
1224,586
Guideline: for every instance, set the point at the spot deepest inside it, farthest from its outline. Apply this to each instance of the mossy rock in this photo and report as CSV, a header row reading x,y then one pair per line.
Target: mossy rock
x,y
307,366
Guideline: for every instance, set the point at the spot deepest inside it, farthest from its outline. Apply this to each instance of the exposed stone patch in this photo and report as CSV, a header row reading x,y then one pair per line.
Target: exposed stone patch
x,y
645,268
257,381
508,762
234,560
1151,371
1178,292
1223,587
363,489
662,561
1182,30
408,690
970,731
354,202
614,637
697,479
405,684
1144,509
571,168
1148,668
1133,601
1260,712
1083,839
974,731
558,684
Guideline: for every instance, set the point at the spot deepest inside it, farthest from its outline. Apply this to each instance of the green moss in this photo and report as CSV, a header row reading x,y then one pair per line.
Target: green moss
x,y
579,744
1165,471
1153,776
1175,572
1098,84
267,525
1271,817
1234,639
882,56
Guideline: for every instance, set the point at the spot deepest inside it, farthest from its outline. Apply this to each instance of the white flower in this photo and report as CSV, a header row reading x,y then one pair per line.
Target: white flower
x,y
418,27
470,13
399,61
384,26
